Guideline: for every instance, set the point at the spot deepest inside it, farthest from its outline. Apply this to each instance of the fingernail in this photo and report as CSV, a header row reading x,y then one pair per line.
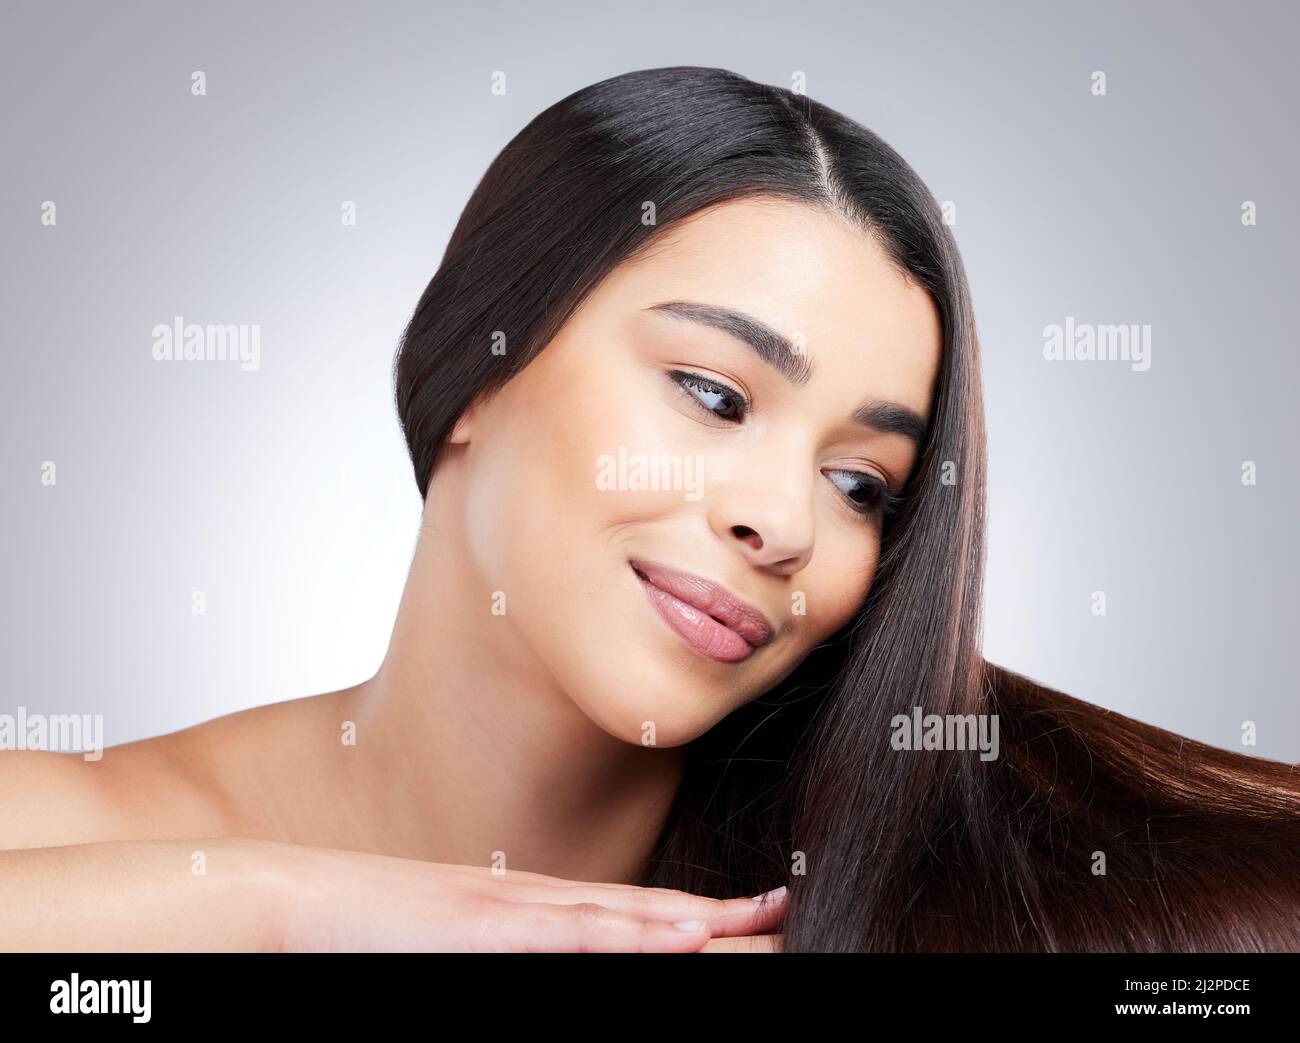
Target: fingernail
x,y
689,925
771,894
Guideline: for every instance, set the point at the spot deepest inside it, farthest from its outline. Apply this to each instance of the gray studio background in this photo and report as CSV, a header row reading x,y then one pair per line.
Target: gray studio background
x,y
285,495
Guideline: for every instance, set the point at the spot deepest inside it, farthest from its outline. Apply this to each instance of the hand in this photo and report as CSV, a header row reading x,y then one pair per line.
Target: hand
x,y
351,901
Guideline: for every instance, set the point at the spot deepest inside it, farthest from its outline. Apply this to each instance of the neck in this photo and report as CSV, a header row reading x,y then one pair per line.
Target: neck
x,y
468,752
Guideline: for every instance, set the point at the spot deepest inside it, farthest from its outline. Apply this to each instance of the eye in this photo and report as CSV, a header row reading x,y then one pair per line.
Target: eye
x,y
864,493
709,395
867,494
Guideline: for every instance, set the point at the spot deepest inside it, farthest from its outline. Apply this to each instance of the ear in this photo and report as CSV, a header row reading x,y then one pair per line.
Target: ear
x,y
461,432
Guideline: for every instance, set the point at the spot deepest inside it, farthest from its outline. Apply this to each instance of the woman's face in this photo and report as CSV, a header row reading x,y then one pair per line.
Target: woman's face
x,y
651,435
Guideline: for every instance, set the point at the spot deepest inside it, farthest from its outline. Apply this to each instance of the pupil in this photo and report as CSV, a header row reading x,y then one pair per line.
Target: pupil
x,y
715,398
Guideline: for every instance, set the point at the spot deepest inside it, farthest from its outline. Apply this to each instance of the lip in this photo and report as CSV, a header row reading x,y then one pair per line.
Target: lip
x,y
707,615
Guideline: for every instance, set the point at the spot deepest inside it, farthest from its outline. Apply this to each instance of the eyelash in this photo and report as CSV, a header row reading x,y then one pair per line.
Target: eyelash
x,y
881,500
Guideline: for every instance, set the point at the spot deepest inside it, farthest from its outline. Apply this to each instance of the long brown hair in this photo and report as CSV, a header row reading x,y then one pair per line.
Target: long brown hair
x,y
1090,830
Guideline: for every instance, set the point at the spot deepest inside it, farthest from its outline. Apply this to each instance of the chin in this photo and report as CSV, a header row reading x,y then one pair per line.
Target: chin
x,y
626,670
654,710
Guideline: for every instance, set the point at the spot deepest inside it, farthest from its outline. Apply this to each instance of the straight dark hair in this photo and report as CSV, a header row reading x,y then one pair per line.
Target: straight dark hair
x,y
1090,831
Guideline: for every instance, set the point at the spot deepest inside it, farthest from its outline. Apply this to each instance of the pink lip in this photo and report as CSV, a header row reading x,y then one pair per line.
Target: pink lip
x,y
705,614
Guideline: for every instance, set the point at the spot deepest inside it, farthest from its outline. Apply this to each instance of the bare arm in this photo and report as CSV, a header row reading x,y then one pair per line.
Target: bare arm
x,y
76,875
202,895
82,871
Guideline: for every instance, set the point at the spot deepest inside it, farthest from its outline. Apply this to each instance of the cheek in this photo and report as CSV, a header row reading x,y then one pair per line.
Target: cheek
x,y
601,445
837,581
514,485
534,509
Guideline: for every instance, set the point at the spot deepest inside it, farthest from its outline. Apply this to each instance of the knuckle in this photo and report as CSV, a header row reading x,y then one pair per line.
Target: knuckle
x,y
590,914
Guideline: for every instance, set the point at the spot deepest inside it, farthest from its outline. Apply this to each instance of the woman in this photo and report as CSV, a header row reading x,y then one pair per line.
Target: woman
x,y
694,404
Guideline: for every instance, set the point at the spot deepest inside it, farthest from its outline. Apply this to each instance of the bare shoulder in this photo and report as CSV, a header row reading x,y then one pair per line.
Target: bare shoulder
x,y
172,785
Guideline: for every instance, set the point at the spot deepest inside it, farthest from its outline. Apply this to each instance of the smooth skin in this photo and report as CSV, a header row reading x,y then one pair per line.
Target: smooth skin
x,y
532,711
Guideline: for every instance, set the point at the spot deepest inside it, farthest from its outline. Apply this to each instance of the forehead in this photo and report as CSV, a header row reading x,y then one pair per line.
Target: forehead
x,y
803,271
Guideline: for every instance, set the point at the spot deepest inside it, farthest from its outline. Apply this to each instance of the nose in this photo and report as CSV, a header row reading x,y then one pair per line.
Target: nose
x,y
767,516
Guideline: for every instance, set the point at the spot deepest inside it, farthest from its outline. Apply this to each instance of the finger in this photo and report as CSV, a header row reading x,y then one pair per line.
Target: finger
x,y
489,875
759,914
756,943
751,916
725,916
581,927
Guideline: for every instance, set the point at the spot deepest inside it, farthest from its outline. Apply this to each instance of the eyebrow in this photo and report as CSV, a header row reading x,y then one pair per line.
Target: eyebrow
x,y
779,352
